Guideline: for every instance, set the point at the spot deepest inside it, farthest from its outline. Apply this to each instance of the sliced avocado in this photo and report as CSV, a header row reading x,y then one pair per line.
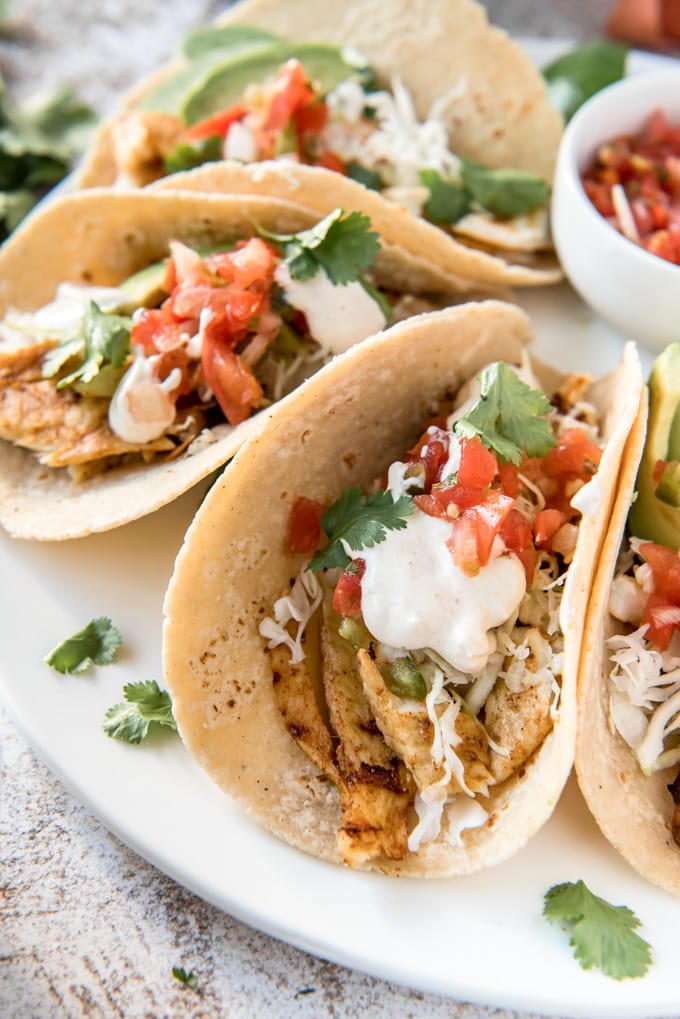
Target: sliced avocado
x,y
145,288
227,38
169,96
104,383
651,517
221,87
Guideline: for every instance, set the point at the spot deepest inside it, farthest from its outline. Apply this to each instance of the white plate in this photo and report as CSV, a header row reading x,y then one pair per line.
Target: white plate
x,y
479,939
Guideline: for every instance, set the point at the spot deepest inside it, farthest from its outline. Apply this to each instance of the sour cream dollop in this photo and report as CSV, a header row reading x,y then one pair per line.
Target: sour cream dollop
x,y
337,316
141,408
414,596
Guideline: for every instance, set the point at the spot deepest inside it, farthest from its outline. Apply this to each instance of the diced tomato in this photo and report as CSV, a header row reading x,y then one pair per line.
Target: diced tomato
x,y
510,483
574,459
439,501
662,618
292,91
347,594
234,386
515,530
478,465
432,451
252,261
311,119
217,124
665,566
473,533
331,161
156,330
304,525
547,523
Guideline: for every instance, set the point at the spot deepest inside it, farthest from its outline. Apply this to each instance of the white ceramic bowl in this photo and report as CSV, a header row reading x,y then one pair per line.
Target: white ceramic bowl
x,y
639,293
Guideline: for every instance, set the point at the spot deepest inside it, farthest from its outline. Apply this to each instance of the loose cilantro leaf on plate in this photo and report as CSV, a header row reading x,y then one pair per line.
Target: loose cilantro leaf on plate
x,y
39,141
506,193
602,935
361,522
449,200
190,978
509,416
580,73
340,245
145,705
97,643
100,339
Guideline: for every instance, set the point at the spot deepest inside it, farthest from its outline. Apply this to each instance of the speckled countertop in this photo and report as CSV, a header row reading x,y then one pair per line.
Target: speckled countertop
x,y
87,927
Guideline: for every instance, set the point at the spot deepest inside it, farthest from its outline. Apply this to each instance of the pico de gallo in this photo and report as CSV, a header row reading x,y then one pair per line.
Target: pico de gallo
x,y
634,182
446,580
371,135
88,377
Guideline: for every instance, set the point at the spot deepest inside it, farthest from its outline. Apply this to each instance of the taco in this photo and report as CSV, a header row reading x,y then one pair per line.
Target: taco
x,y
413,749
142,334
628,747
433,107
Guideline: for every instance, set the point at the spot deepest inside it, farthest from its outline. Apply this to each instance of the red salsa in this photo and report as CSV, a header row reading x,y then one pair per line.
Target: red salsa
x,y
634,182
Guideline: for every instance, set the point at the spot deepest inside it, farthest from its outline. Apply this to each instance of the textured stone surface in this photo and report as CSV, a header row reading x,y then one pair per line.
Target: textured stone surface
x,y
88,928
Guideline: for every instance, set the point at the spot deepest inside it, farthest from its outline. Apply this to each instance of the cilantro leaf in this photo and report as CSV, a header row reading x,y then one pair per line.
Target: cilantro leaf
x,y
505,192
509,416
99,339
145,705
190,978
602,935
448,202
340,245
96,644
579,74
369,178
187,155
360,522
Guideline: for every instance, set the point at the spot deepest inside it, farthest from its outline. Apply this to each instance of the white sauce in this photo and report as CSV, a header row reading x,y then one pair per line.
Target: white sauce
x,y
65,312
588,499
414,596
141,408
338,317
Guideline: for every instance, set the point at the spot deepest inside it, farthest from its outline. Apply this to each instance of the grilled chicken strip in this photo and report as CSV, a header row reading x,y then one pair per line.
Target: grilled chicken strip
x,y
411,733
66,428
375,805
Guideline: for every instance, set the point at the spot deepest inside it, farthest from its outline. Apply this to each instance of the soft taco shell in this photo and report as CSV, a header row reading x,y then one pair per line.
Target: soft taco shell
x,y
340,429
634,811
321,190
498,113
101,237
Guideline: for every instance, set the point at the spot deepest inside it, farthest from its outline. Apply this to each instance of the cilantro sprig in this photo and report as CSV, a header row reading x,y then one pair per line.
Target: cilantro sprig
x,y
100,339
189,978
39,140
602,935
96,644
360,522
509,417
341,245
505,192
145,705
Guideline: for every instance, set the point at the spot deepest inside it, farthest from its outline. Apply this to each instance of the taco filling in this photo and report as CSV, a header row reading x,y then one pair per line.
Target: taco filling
x,y
433,600
340,121
102,374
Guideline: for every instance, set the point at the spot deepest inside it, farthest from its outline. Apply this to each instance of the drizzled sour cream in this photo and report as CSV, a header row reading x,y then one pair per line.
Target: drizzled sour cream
x,y
414,596
337,316
141,408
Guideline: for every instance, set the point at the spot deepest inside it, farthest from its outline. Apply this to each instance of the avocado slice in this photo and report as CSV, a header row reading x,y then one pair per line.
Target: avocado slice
x,y
145,288
222,86
169,96
227,38
653,517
